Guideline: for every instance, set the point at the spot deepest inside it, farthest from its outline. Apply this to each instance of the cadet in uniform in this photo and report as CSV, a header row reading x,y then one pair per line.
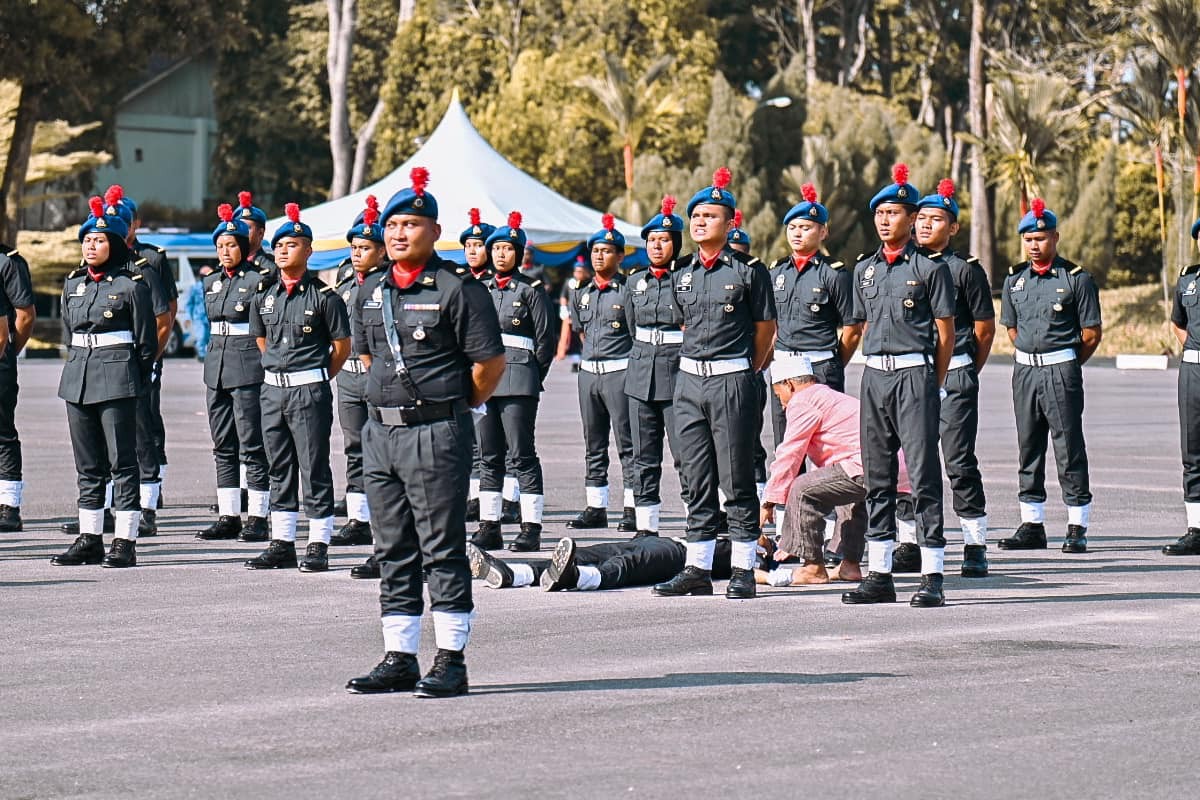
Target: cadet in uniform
x,y
233,377
256,221
479,261
1185,317
506,433
304,336
598,314
1051,308
108,312
905,300
16,292
728,327
653,316
974,329
431,343
367,257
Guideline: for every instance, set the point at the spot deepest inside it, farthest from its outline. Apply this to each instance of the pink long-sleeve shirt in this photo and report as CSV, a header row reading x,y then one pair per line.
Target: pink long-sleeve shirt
x,y
822,425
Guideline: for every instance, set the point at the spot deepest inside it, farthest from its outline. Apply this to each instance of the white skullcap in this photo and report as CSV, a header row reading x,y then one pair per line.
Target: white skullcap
x,y
788,367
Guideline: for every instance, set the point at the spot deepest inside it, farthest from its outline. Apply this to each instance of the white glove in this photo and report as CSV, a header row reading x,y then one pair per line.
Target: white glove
x,y
941,394
480,411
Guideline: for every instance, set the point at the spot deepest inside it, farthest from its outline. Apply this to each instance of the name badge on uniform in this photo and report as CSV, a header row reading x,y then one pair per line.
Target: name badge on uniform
x,y
268,306
422,307
243,289
729,287
1060,290
685,283
912,283
516,303
869,272
1018,285
308,312
114,297
376,300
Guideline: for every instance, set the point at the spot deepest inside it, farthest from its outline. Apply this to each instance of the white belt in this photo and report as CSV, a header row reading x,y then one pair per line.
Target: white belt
x,y
961,360
300,378
1191,356
101,339
355,366
902,361
657,336
231,328
705,369
604,366
521,342
814,356
1044,359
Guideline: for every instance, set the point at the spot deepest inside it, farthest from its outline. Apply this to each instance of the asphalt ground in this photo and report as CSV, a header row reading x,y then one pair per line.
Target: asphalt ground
x,y
189,676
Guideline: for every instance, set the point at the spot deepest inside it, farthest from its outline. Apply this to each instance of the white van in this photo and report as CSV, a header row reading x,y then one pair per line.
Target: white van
x,y
186,254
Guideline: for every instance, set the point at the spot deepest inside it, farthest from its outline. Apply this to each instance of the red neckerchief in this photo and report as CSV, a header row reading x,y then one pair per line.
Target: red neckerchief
x,y
96,276
801,260
1041,269
602,285
708,263
229,271
892,255
289,283
658,273
503,280
404,278
359,277
478,275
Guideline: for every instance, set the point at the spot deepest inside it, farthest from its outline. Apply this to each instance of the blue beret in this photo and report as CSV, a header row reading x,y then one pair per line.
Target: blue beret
x,y
131,206
362,229
1039,218
293,228
898,191
229,225
105,219
1195,228
808,208
943,199
666,220
607,235
413,201
478,229
512,233
716,195
248,212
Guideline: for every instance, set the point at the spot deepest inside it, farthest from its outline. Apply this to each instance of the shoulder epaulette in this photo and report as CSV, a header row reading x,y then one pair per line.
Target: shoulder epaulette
x,y
1075,270
326,288
972,260
140,261
261,286
1189,269
932,254
136,277
1015,268
11,253
861,256
264,272
753,261
536,284
836,265
460,270
781,262
158,249
77,273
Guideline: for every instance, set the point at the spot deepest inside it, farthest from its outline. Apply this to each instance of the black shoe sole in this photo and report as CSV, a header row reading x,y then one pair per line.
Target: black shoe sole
x,y
1004,546
974,573
581,527
200,537
311,568
107,565
426,694
1074,550
87,563
391,690
706,591
372,577
623,528
863,601
562,557
350,542
293,565
517,547
1167,552
738,596
917,602
479,564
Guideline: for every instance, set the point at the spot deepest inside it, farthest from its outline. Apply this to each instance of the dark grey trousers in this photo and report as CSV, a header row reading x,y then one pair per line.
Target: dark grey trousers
x,y
104,441
1049,400
604,406
959,426
1189,429
235,424
900,409
10,441
715,418
352,416
147,447
506,436
640,562
297,422
812,497
650,422
416,479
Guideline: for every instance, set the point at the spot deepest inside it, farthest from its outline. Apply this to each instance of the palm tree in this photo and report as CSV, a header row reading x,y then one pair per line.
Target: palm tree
x,y
629,108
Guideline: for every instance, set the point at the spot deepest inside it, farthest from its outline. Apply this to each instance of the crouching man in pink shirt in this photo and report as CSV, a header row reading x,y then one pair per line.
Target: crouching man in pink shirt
x,y
822,425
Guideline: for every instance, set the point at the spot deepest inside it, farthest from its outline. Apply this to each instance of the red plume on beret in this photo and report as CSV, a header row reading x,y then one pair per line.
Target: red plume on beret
x,y
420,179
474,216
668,205
97,207
225,212
737,218
809,192
293,211
245,199
113,195
722,177
370,216
1039,207
514,220
372,202
579,259
946,188
608,221
900,174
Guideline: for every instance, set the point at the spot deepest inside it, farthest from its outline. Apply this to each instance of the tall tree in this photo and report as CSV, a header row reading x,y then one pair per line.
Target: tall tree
x,y
983,243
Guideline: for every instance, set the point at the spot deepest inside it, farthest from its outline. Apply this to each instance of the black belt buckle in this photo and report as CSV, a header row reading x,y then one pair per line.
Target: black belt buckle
x,y
393,416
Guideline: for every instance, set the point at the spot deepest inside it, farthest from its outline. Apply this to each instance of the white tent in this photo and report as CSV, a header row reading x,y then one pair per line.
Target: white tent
x,y
465,172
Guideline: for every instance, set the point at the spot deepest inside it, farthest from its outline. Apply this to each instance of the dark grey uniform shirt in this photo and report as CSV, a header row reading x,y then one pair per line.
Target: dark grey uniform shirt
x,y
457,327
972,300
524,310
156,258
650,303
811,304
900,302
1185,311
16,291
120,301
232,361
353,384
599,314
298,328
1049,311
721,305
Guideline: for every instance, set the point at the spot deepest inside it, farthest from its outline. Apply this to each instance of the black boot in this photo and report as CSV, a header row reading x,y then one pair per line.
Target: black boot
x,y
877,587
510,512
353,532
368,570
473,510
562,572
741,585
930,594
398,672
10,519
256,529
316,558
1186,545
489,569
1076,541
72,528
447,677
278,555
692,580
628,523
589,519
529,540
225,527
1029,536
88,548
488,537
644,534
339,508
148,524
906,559
975,563
122,553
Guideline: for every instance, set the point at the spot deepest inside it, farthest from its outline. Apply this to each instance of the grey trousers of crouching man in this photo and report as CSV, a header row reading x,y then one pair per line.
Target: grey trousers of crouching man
x,y
416,479
812,497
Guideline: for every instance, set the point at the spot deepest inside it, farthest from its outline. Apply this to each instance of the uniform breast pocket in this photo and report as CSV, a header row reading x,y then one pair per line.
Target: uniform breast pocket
x,y
1189,300
586,314
517,355
422,327
912,300
817,304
